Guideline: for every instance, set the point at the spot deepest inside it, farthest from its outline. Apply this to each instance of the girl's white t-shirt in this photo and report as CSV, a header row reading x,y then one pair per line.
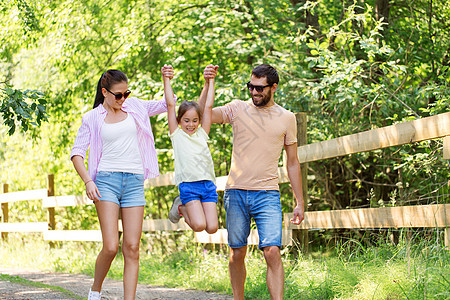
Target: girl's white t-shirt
x,y
193,161
120,147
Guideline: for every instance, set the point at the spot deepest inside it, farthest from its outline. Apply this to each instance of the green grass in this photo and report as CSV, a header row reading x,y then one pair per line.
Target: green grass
x,y
350,271
25,282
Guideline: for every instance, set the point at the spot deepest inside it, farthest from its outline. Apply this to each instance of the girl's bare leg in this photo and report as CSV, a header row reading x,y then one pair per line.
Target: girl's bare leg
x,y
200,216
210,211
193,215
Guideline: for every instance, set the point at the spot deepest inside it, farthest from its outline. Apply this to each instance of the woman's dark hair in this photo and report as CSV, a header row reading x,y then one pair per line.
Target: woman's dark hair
x,y
266,71
107,80
187,105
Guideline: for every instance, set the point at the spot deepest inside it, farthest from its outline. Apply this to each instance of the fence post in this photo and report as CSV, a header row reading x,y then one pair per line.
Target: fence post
x,y
446,148
51,192
5,211
447,238
300,236
446,154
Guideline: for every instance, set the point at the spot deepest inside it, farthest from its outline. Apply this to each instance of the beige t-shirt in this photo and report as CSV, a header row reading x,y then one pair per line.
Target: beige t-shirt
x,y
259,134
193,161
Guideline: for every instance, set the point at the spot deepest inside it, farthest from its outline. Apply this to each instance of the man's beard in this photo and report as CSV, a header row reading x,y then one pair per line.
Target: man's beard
x,y
262,101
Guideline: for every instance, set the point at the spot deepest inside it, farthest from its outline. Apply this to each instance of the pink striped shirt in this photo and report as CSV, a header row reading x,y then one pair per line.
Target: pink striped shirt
x,y
88,135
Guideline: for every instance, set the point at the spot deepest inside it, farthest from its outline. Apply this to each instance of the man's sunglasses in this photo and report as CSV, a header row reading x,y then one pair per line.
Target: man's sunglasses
x,y
258,88
120,95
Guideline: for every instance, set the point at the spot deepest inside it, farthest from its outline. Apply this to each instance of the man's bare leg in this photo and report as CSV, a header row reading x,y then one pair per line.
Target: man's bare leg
x,y
275,272
237,271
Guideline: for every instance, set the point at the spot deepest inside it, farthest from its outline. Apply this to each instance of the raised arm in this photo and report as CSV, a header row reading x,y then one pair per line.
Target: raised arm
x,y
207,111
210,72
167,73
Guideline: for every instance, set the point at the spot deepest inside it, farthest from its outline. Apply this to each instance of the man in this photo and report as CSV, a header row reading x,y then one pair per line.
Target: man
x,y
261,129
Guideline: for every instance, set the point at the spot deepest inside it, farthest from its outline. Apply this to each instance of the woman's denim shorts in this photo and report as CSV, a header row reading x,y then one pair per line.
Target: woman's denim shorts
x,y
125,189
263,206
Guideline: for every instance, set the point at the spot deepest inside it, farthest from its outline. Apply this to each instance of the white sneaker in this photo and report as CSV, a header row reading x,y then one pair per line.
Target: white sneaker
x,y
174,215
93,295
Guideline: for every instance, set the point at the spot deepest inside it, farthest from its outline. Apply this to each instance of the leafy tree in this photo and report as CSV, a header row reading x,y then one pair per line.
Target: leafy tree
x,y
22,107
15,109
351,65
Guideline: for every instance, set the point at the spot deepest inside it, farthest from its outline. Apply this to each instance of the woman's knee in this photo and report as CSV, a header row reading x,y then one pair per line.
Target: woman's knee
x,y
110,249
130,250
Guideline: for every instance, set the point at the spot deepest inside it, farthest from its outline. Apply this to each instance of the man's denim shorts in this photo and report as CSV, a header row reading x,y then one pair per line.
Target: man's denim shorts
x,y
125,189
263,206
203,190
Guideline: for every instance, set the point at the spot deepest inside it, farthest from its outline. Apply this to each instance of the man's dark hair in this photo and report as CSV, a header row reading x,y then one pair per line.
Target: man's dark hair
x,y
266,71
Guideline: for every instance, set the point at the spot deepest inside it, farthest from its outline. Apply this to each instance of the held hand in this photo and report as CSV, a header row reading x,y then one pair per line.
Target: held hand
x,y
210,72
167,71
92,191
298,215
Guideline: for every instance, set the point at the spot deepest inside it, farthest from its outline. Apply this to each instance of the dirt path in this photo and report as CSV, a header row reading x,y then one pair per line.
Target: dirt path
x,y
79,285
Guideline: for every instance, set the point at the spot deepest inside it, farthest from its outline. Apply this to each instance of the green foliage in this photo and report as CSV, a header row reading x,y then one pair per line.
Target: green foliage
x,y
15,109
354,72
27,16
351,65
412,269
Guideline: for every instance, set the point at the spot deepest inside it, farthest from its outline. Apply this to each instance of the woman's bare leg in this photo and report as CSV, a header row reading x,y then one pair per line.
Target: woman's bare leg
x,y
132,219
108,216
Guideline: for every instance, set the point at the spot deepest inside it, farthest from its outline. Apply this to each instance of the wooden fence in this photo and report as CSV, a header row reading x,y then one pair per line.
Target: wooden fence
x,y
51,203
432,216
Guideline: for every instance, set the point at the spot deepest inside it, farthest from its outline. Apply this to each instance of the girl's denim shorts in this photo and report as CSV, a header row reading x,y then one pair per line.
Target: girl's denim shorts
x,y
124,189
203,190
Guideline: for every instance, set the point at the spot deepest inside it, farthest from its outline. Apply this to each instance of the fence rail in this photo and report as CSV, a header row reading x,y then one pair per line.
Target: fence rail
x,y
24,227
436,215
395,135
23,196
426,216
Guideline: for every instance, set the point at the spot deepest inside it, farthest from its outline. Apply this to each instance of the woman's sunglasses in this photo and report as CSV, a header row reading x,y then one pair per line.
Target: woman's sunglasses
x,y
120,95
258,88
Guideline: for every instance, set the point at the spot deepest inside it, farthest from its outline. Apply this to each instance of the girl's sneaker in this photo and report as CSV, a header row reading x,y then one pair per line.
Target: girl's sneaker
x,y
93,295
174,215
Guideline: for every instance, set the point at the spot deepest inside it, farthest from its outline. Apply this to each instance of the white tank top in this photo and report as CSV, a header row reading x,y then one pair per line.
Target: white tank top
x,y
120,150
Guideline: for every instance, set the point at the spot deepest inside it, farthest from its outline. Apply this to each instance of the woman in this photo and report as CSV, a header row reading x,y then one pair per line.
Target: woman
x,y
122,155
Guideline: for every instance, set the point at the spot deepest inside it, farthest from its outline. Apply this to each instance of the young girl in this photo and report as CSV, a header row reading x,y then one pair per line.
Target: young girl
x,y
122,155
194,169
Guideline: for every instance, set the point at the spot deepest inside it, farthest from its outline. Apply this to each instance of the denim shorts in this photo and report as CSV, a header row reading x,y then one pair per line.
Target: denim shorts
x,y
203,190
125,189
263,206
